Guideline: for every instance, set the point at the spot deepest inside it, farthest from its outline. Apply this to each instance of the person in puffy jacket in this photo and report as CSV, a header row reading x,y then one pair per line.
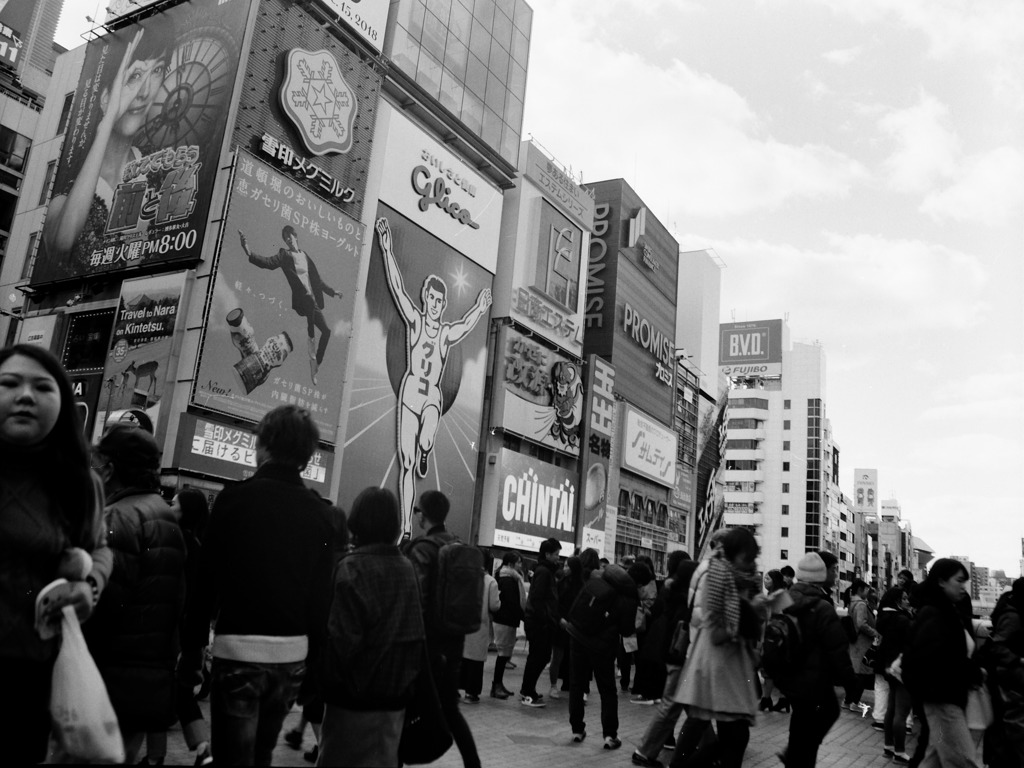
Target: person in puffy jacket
x,y
592,648
133,635
512,596
810,689
938,667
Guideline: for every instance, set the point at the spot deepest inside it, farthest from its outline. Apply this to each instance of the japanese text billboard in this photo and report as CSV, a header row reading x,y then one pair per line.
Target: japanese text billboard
x,y
541,393
230,452
648,447
280,318
142,149
135,372
536,501
597,450
420,366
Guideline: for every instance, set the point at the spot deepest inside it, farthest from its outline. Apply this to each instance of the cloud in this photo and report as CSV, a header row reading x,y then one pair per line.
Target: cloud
x,y
679,136
843,56
989,188
926,148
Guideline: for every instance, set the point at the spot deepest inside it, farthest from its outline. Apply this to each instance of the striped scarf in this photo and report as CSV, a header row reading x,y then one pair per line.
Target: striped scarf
x,y
720,595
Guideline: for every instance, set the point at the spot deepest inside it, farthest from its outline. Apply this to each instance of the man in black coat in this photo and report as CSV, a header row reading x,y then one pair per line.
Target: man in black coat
x,y
541,620
824,647
265,576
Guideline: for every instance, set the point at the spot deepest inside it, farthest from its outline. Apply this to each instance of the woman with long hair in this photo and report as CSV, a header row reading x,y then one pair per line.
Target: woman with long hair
x,y
894,627
938,668
51,513
719,679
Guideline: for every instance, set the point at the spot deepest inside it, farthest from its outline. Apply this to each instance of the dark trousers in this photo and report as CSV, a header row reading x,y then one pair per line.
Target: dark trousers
x,y
923,734
808,725
248,704
896,715
446,659
698,747
25,710
472,676
650,678
583,662
539,637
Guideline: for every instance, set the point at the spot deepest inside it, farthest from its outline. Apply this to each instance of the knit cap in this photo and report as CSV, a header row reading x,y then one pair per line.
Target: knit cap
x,y
811,569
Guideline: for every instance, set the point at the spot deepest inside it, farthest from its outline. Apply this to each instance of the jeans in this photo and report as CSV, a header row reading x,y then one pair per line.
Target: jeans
x,y
446,659
665,717
248,704
584,661
896,716
950,744
808,725
539,637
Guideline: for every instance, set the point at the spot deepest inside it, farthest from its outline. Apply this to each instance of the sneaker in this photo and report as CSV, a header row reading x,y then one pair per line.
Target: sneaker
x,y
878,726
471,698
650,762
610,742
536,701
554,693
579,736
901,758
888,751
203,757
510,664
641,699
670,743
293,739
500,692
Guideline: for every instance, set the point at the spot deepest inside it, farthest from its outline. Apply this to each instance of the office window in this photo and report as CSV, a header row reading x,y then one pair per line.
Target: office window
x,y
785,424
65,113
786,404
44,193
785,466
784,554
785,445
30,256
785,531
785,487
785,509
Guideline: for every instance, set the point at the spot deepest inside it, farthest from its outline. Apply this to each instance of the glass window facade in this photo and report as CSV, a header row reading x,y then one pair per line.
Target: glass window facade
x,y
472,56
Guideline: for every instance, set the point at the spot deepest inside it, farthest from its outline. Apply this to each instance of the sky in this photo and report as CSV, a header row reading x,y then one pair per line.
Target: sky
x,y
859,169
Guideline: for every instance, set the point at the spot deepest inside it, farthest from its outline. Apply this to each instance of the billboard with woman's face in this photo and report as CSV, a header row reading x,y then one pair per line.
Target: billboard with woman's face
x,y
141,151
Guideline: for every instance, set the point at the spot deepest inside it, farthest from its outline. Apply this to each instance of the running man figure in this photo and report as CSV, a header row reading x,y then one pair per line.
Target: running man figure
x,y
428,341
308,291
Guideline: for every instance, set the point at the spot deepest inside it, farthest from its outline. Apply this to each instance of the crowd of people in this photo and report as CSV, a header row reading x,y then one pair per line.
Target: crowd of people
x,y
276,597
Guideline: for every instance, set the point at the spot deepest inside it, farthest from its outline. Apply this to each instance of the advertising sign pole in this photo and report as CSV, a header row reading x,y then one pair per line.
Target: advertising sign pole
x,y
595,453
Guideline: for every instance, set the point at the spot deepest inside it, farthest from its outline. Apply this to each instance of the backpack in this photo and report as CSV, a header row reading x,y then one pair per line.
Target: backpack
x,y
849,628
781,651
590,610
458,590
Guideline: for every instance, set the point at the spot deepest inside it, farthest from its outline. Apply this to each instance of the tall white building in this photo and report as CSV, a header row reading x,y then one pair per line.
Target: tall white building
x,y
781,470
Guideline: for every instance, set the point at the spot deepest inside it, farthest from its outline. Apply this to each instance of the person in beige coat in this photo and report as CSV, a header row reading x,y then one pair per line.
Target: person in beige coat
x,y
474,651
864,625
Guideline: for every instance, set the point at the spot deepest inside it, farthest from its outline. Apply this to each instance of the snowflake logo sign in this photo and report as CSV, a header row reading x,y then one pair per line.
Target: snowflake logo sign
x,y
318,101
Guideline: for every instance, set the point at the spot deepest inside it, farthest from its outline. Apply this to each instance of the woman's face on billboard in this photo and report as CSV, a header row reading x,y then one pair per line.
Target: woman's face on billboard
x,y
142,80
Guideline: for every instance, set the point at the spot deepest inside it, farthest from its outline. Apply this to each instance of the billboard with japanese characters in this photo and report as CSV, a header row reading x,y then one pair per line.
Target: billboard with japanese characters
x,y
143,145
599,425
420,365
136,369
536,501
538,392
280,317
648,447
229,452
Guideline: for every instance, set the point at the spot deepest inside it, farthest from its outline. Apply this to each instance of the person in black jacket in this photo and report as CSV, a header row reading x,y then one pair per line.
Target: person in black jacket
x,y
512,594
810,689
937,664
540,621
894,626
265,575
133,635
592,649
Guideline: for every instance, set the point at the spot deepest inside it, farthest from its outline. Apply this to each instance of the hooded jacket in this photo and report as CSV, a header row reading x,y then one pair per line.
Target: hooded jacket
x,y
620,619
823,642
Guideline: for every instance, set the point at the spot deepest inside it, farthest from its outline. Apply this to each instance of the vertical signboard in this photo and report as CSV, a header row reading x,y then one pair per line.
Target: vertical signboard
x,y
540,393
135,373
536,501
865,491
596,454
142,150
416,407
280,319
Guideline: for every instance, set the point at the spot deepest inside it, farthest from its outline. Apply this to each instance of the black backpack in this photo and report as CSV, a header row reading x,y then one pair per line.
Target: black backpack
x,y
782,650
590,610
458,589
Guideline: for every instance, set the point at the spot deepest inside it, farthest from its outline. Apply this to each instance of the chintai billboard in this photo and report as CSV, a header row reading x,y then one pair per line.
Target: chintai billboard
x,y
536,501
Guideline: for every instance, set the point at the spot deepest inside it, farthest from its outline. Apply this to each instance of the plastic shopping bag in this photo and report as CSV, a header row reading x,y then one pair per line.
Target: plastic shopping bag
x,y
84,722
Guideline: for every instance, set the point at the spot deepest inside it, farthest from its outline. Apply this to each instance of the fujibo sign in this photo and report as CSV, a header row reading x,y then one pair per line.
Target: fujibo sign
x,y
654,341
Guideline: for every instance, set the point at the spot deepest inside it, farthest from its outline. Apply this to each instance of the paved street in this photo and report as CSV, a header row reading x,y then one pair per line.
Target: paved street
x,y
512,736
